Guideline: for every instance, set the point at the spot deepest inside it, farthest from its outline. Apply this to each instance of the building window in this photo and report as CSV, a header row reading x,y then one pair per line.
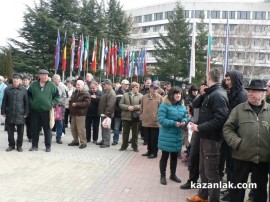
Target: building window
x,y
257,42
259,15
268,15
146,29
214,14
144,42
147,18
168,14
186,13
157,28
231,14
138,19
232,27
155,40
158,16
243,15
198,14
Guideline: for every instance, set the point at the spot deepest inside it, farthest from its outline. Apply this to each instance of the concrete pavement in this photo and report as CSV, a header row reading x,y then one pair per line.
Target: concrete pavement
x,y
68,174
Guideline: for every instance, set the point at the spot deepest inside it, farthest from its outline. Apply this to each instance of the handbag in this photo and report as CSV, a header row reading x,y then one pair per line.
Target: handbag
x,y
135,115
58,113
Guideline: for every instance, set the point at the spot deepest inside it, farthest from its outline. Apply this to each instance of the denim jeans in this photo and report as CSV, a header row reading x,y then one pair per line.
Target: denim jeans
x,y
58,127
116,130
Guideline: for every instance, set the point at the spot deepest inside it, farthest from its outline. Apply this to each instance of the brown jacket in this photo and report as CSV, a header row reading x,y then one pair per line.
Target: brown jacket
x,y
107,103
82,101
149,110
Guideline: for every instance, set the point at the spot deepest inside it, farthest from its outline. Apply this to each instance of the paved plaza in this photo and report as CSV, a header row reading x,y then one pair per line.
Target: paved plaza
x,y
92,174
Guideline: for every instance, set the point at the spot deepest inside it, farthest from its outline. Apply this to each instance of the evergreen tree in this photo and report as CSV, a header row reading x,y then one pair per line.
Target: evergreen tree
x,y
118,24
6,63
200,53
173,51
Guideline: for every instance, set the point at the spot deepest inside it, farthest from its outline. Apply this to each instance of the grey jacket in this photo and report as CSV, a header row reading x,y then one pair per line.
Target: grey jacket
x,y
249,134
107,103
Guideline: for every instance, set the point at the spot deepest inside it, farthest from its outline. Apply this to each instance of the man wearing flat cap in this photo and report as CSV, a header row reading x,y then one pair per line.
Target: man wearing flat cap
x,y
15,108
106,109
43,96
247,132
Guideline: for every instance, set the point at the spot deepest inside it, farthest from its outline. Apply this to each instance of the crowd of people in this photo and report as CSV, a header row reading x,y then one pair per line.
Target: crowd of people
x,y
225,127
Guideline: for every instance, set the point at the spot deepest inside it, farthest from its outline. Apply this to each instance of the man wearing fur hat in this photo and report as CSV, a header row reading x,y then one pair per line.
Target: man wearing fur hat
x,y
247,132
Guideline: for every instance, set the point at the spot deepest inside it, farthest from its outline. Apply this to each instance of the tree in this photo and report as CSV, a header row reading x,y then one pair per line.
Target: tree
x,y
173,51
118,24
200,52
6,63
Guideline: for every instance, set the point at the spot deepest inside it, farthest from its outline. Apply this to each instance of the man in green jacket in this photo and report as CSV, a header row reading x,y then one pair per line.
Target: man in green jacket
x,y
247,132
43,96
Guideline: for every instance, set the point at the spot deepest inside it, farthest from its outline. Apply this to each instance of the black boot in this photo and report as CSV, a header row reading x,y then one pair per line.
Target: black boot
x,y
162,167
187,185
163,180
173,165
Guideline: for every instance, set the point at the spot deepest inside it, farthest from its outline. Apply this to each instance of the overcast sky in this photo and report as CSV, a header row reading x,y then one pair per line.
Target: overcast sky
x,y
11,13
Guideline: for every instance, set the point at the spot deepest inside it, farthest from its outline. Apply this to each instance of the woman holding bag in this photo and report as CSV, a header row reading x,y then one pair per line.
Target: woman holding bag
x,y
172,116
130,104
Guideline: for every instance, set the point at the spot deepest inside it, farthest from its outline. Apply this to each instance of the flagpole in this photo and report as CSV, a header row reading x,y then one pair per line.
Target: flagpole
x,y
192,56
226,62
209,46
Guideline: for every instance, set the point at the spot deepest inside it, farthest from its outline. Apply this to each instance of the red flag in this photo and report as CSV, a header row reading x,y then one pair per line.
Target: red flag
x,y
94,57
64,54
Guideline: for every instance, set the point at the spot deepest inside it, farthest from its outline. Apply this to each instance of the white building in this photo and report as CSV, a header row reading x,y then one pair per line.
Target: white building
x,y
249,30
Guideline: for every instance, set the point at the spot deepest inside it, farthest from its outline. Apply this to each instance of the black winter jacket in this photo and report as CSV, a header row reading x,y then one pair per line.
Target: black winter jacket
x,y
15,105
119,94
93,108
213,114
237,94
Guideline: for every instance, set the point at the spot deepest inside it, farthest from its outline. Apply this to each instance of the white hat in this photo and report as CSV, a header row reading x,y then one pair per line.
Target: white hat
x,y
125,81
1,78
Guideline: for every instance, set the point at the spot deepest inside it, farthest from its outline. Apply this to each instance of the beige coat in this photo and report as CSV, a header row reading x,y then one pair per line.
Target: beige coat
x,y
149,110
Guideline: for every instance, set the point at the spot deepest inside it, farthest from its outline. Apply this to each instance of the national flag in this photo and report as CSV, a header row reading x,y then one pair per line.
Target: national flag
x,y
79,53
57,52
94,57
103,55
108,58
112,59
192,55
227,44
72,53
82,52
209,47
64,54
86,48
144,62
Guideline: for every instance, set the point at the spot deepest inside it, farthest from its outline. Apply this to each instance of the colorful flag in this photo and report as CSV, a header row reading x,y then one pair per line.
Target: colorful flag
x,y
227,44
108,59
64,54
94,56
209,47
79,53
82,52
192,55
103,55
57,52
144,62
72,53
86,48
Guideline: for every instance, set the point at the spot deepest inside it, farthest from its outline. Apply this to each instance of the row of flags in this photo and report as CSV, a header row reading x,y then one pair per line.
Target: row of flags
x,y
109,56
226,66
